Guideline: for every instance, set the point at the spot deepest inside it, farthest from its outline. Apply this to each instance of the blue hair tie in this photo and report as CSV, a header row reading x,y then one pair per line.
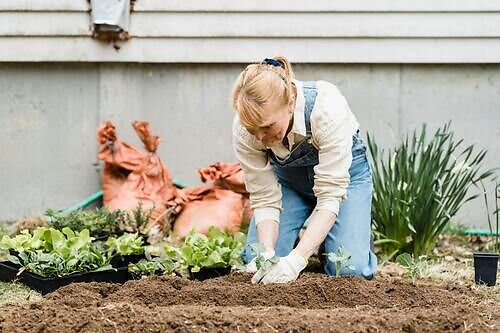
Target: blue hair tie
x,y
272,62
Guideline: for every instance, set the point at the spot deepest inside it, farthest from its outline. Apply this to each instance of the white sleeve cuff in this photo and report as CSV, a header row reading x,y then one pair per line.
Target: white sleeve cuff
x,y
267,213
328,205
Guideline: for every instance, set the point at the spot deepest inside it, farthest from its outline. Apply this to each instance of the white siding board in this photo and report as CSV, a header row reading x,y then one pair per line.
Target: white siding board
x,y
380,25
267,6
235,50
315,25
378,31
44,5
318,5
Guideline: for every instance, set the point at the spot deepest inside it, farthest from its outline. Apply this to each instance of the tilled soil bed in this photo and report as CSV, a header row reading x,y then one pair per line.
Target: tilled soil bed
x,y
314,303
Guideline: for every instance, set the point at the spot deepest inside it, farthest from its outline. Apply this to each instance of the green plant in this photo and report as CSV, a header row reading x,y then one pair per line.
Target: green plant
x,y
495,232
125,245
152,266
137,219
260,261
341,260
50,252
419,187
25,241
99,221
218,249
414,268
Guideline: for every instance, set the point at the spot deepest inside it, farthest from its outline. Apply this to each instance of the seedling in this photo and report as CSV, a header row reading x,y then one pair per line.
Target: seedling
x,y
125,245
218,249
495,232
153,266
414,268
260,261
340,258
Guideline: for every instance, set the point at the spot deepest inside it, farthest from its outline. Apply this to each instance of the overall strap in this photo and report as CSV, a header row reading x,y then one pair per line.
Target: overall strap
x,y
310,93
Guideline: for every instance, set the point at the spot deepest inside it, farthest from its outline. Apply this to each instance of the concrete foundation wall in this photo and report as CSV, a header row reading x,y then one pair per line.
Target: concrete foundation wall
x,y
49,113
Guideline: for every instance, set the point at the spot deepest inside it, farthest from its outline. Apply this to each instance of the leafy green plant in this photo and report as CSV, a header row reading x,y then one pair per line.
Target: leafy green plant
x,y
101,221
260,261
125,245
25,241
50,252
341,260
152,266
494,232
414,268
419,187
218,249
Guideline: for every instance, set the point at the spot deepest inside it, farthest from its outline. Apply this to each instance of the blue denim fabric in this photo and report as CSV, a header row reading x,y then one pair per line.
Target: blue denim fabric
x,y
352,228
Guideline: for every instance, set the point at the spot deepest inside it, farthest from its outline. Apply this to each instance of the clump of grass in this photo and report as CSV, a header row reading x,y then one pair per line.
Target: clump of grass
x,y
16,293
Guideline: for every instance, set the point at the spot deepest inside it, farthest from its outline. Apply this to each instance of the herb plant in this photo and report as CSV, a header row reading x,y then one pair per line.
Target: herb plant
x,y
101,221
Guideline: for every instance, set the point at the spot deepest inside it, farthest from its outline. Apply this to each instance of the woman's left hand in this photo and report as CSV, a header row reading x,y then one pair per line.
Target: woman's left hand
x,y
285,270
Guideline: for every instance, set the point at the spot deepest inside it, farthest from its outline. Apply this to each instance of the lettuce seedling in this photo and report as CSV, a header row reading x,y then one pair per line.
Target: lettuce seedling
x,y
153,266
50,252
125,245
340,258
218,249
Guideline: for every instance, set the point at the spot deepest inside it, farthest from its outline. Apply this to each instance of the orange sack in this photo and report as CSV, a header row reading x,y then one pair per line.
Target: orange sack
x,y
224,204
208,206
131,178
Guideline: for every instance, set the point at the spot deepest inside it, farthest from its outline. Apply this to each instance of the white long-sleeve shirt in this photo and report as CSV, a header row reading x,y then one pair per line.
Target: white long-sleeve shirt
x,y
332,126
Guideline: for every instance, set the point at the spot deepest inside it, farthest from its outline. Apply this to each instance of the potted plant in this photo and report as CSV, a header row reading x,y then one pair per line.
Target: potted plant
x,y
485,264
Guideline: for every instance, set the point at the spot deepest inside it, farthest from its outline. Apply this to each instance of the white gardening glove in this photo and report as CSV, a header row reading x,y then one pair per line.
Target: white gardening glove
x,y
252,266
287,269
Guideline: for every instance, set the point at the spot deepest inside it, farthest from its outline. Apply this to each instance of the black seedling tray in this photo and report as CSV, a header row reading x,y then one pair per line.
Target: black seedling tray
x,y
209,273
46,285
123,261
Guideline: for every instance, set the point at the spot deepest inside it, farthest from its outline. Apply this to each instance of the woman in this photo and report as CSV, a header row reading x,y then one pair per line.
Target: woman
x,y
304,163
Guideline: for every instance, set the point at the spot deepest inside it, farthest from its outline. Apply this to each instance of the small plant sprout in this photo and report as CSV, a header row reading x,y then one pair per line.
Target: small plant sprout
x,y
340,258
414,268
261,261
493,231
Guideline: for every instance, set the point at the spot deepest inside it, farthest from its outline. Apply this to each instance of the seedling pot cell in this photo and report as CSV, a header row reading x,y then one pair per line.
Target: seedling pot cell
x,y
46,285
485,268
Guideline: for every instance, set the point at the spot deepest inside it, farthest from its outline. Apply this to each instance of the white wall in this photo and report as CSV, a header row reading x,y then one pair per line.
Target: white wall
x,y
399,63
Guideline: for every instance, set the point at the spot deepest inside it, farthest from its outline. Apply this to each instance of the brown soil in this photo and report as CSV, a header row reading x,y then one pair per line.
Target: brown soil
x,y
314,303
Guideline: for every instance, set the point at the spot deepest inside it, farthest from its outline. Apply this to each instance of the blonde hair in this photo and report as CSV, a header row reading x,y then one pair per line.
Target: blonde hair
x,y
260,85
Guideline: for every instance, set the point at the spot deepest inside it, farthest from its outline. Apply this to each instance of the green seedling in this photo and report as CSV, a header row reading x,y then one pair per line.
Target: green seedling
x,y
414,268
153,266
218,249
125,245
50,252
340,258
261,262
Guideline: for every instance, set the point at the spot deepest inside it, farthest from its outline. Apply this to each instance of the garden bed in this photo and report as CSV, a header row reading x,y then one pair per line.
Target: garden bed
x,y
314,303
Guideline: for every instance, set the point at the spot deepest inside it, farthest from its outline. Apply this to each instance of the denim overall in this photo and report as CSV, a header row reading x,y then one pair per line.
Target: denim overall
x,y
295,174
